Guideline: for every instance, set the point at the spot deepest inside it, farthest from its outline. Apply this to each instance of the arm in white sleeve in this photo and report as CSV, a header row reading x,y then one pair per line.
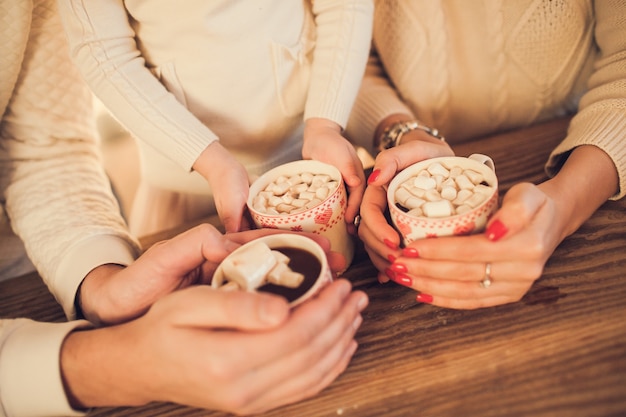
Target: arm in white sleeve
x,y
31,384
102,44
376,100
601,118
344,30
58,197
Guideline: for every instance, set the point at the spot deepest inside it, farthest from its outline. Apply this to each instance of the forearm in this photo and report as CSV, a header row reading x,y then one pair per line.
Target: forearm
x,y
97,371
59,198
376,101
108,57
585,182
343,35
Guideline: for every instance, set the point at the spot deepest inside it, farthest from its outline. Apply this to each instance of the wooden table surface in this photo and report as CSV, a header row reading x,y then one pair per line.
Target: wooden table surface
x,y
560,351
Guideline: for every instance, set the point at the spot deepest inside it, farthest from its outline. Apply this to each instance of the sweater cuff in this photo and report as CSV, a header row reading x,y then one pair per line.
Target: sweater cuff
x,y
603,128
81,258
30,371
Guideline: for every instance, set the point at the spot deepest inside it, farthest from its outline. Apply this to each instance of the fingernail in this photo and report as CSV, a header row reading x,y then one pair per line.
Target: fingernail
x,y
410,253
373,176
390,244
363,302
424,298
383,279
391,258
401,268
496,230
403,280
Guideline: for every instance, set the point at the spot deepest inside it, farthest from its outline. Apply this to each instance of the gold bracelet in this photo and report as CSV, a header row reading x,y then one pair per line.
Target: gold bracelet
x,y
392,135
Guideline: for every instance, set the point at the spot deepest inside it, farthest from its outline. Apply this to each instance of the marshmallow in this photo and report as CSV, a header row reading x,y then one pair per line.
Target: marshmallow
x,y
442,191
256,265
294,194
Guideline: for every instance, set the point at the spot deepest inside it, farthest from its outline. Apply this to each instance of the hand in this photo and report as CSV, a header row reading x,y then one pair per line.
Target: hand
x,y
375,231
235,351
518,241
323,142
229,184
113,294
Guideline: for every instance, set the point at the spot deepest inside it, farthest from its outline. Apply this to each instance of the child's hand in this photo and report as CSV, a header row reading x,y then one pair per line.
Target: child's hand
x,y
229,183
323,142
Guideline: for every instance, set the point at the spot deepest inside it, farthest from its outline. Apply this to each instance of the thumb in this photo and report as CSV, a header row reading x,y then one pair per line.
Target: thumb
x,y
203,306
189,250
391,161
519,206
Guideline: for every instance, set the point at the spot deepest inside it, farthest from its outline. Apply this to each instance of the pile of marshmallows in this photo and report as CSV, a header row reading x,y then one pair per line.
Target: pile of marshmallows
x,y
440,191
294,194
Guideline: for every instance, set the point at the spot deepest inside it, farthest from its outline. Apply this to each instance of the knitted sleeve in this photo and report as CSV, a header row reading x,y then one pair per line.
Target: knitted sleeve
x,y
344,30
103,46
376,100
58,197
601,118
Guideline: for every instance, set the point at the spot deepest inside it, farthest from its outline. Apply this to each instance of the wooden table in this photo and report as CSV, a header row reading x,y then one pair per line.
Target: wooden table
x,y
560,351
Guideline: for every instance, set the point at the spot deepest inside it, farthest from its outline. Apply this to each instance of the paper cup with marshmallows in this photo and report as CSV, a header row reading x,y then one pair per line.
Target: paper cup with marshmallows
x,y
303,196
287,264
443,196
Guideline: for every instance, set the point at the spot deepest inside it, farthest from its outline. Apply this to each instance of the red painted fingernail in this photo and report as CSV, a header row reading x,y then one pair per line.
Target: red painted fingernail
x,y
496,230
410,253
391,258
424,298
390,244
373,176
396,267
403,280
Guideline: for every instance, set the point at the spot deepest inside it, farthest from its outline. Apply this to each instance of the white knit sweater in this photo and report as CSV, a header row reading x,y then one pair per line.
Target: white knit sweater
x,y
472,70
55,193
181,75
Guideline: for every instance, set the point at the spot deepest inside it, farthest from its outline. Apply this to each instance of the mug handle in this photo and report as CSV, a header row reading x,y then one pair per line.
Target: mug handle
x,y
483,159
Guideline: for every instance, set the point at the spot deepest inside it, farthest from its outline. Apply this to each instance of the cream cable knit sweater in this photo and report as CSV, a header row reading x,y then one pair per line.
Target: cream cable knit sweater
x,y
500,64
55,193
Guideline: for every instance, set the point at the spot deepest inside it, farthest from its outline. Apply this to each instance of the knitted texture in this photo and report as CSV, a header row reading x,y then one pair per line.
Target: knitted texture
x,y
500,65
57,194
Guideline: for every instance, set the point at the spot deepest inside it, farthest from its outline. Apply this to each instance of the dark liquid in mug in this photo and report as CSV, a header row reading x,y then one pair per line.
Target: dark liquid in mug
x,y
299,261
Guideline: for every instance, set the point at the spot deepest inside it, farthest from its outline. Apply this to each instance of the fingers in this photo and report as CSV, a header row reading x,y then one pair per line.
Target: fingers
x,y
354,178
519,206
204,307
469,294
186,251
375,230
231,211
325,348
391,161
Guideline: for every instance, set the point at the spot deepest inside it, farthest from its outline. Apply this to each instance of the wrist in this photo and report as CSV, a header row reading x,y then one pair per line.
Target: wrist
x,y
96,372
392,131
92,299
319,126
209,157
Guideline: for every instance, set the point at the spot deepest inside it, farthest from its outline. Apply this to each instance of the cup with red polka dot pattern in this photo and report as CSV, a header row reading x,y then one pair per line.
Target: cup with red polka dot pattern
x,y
445,196
324,214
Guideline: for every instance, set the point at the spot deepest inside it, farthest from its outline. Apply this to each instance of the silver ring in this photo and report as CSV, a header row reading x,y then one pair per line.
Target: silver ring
x,y
357,221
486,282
